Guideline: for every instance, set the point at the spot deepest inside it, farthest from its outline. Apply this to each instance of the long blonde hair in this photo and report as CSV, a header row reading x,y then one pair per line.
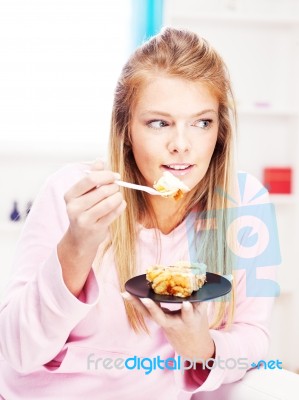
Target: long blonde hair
x,y
174,53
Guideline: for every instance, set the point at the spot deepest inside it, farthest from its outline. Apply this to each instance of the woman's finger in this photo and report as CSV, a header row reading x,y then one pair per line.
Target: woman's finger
x,y
103,208
135,301
109,218
97,165
201,307
155,311
88,200
90,218
187,312
92,180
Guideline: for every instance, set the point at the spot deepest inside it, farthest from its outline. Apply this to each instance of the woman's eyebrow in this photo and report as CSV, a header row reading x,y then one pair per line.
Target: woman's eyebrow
x,y
204,112
198,114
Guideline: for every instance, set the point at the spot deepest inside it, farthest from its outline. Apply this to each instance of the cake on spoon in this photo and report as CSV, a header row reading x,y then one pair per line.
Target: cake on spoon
x,y
171,186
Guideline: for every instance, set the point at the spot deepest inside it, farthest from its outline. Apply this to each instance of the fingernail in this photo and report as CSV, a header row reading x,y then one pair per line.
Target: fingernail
x,y
126,295
187,305
98,164
145,301
87,171
116,175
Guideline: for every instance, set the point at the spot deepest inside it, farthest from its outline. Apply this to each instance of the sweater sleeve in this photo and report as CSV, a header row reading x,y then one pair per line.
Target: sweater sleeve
x,y
241,346
38,311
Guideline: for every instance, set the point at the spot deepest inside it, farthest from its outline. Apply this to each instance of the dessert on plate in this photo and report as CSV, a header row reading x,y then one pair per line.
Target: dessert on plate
x,y
171,185
180,279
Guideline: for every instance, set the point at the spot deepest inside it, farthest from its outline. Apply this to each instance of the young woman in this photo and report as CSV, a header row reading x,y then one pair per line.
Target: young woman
x,y
68,328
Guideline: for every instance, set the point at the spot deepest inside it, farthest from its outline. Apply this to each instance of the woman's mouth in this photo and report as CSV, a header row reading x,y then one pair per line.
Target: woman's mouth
x,y
178,169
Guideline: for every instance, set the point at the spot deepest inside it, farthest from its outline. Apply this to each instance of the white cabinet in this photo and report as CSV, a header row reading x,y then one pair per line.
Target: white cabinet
x,y
259,41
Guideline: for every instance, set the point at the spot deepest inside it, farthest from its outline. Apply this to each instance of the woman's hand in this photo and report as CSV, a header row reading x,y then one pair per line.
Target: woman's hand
x,y
92,205
186,330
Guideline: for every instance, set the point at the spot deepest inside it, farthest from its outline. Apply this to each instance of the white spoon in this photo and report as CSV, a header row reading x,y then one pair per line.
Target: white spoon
x,y
143,188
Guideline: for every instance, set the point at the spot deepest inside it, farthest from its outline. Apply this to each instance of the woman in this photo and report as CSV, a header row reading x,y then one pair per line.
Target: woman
x,y
68,328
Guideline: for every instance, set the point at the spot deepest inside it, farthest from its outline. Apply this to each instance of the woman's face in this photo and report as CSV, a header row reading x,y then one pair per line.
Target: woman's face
x,y
174,128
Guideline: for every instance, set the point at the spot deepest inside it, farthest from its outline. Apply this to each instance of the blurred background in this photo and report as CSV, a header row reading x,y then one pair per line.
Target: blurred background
x,y
60,61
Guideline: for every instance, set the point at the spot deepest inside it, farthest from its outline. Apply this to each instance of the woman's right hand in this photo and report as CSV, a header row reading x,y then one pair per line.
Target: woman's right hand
x,y
92,205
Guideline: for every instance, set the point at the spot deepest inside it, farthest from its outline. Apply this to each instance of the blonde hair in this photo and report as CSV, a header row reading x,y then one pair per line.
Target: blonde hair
x,y
183,54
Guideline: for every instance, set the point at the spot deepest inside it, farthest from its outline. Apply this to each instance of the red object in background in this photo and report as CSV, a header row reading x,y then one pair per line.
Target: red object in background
x,y
278,180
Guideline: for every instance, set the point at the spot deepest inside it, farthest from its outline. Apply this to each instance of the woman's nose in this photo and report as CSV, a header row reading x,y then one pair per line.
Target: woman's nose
x,y
179,142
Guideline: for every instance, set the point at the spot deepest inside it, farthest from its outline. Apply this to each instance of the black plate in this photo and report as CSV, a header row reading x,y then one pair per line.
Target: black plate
x,y
215,286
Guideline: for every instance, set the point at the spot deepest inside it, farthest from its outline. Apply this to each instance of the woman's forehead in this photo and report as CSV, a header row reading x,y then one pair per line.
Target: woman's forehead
x,y
168,94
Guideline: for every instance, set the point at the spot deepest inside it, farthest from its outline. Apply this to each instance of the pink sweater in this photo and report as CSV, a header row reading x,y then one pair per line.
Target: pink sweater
x,y
54,345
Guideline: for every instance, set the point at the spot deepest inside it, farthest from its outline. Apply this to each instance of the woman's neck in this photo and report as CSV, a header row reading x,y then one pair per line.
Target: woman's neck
x,y
168,215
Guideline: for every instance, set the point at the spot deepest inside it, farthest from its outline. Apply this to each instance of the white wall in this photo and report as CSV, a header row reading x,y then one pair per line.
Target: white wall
x,y
59,63
60,60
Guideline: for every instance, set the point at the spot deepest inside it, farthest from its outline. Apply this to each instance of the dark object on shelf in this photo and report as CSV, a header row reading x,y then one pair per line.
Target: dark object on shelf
x,y
278,180
15,214
28,207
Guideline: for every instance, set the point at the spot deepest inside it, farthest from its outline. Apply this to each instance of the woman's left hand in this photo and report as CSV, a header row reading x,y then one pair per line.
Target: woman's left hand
x,y
187,331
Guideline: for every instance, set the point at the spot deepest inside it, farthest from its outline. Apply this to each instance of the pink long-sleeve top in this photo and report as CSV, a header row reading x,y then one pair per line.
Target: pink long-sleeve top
x,y
54,345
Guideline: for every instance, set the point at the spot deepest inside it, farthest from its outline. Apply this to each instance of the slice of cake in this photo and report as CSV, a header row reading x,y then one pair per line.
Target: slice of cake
x,y
180,279
171,186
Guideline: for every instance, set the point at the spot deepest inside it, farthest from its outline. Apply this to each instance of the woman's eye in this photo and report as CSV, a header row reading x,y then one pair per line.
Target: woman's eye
x,y
203,123
157,124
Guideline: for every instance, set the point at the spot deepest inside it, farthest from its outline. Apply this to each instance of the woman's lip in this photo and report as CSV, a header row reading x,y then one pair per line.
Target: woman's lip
x,y
178,172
